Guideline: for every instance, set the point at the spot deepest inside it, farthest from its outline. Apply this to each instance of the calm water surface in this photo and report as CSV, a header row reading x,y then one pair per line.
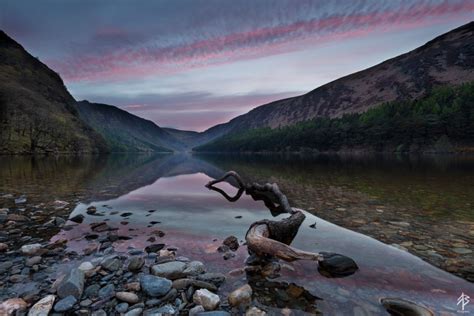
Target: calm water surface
x,y
167,193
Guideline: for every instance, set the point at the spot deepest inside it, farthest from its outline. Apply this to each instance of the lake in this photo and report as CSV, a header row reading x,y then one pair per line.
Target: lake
x,y
418,207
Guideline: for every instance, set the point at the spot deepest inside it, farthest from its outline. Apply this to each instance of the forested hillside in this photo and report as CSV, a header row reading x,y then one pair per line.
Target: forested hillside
x,y
440,122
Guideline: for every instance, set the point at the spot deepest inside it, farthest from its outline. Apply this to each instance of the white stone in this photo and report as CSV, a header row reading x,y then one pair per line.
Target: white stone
x,y
207,299
43,306
86,266
30,249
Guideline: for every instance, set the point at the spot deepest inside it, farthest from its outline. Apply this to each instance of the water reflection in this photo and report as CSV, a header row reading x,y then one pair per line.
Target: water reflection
x,y
138,196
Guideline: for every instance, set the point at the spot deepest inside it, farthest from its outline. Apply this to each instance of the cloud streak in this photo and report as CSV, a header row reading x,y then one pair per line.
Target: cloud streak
x,y
151,57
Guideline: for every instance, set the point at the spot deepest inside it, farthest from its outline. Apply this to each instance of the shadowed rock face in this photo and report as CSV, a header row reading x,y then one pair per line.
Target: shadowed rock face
x,y
446,60
37,113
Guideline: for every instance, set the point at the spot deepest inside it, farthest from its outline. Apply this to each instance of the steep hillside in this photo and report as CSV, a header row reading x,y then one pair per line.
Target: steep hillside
x,y
37,113
125,132
445,61
441,122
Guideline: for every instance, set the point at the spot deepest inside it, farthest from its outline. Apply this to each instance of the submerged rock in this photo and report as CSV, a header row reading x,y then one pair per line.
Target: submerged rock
x,y
232,242
154,248
396,306
335,265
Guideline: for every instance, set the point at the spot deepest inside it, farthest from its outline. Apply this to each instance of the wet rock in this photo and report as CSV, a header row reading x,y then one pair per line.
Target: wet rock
x,y
77,219
136,263
207,299
92,291
241,296
65,304
128,297
232,242
132,286
17,218
223,248
195,310
3,247
134,312
213,313
254,311
336,265
72,284
400,224
107,291
228,255
111,263
43,306
181,284
20,200
154,285
154,248
163,310
462,251
99,312
170,270
30,249
121,308
215,278
13,306
397,306
85,303
33,260
194,268
5,266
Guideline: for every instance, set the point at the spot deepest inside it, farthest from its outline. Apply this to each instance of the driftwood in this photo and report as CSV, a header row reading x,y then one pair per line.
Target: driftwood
x,y
270,238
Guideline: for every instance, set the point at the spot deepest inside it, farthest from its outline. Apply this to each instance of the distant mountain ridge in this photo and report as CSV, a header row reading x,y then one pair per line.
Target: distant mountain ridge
x,y
446,60
37,113
125,132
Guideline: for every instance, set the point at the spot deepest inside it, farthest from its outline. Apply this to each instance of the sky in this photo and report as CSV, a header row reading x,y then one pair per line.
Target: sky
x,y
191,64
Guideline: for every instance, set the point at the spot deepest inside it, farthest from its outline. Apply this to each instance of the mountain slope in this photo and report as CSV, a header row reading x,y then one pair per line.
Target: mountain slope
x,y
446,60
125,132
37,113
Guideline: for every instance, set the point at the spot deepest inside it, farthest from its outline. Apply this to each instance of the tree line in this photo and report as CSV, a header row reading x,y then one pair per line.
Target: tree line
x,y
443,121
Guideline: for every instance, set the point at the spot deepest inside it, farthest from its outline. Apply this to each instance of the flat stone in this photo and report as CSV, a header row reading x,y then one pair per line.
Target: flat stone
x,y
195,310
215,278
5,266
121,308
400,224
155,286
43,306
207,299
154,247
241,296
194,268
181,284
462,251
72,284
170,270
134,312
214,313
128,297
32,261
107,291
65,304
30,249
99,312
163,310
111,263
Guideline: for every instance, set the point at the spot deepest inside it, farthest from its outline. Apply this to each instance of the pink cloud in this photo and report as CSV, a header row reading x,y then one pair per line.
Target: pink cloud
x,y
145,60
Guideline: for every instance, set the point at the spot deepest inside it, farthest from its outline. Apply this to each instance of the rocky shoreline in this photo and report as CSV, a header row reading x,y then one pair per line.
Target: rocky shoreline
x,y
39,277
